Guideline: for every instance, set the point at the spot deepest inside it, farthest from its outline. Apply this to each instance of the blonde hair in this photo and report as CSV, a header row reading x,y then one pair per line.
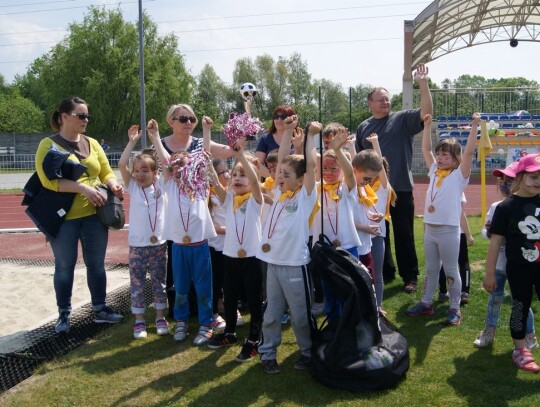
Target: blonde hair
x,y
174,108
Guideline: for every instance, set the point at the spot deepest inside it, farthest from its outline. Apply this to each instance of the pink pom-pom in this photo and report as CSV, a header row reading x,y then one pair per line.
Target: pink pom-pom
x,y
193,178
241,126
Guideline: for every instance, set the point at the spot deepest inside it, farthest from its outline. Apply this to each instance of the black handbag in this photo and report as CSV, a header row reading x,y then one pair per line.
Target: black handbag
x,y
111,213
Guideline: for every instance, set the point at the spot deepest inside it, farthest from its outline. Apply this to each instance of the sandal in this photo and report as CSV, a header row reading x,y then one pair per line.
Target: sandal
x,y
525,360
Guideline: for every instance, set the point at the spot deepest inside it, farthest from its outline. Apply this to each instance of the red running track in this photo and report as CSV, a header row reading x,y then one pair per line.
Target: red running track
x,y
34,245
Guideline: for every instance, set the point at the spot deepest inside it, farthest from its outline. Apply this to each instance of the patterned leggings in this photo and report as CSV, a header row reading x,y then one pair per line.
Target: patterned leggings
x,y
154,260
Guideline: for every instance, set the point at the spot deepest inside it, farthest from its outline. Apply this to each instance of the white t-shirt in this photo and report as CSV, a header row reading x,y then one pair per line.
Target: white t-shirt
x,y
337,216
185,218
382,202
361,213
286,230
145,214
243,227
446,199
218,218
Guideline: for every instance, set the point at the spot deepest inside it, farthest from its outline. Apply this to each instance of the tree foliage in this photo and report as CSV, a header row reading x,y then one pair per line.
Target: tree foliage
x,y
99,61
19,114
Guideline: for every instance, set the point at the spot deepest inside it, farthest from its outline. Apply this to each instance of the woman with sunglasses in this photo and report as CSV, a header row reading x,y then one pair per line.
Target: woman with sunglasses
x,y
272,140
182,120
81,223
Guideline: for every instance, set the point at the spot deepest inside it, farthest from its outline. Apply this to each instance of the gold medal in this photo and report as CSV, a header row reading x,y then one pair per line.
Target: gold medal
x,y
242,253
431,209
153,239
186,239
266,247
336,243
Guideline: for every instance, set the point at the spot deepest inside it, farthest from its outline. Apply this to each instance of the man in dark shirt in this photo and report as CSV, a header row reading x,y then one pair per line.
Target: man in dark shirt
x,y
396,131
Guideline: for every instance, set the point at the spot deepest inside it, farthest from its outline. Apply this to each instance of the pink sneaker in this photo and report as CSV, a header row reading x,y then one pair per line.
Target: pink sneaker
x,y
525,361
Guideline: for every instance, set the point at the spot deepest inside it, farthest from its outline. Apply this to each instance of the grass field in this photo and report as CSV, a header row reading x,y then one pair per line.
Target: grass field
x,y
446,370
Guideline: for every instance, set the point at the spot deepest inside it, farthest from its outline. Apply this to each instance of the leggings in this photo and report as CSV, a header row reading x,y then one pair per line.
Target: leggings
x,y
522,278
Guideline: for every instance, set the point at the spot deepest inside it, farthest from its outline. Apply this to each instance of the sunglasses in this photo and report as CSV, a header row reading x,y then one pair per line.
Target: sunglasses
x,y
281,116
223,172
81,116
185,119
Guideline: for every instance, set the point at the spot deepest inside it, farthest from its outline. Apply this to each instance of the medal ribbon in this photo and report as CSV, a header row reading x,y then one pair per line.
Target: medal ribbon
x,y
153,228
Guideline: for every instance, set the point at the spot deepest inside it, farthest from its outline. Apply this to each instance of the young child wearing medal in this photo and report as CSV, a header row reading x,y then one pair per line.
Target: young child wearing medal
x,y
449,171
284,246
242,203
367,165
381,211
337,190
147,247
189,226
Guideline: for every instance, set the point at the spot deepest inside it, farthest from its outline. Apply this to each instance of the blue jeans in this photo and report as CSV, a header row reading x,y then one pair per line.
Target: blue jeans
x,y
495,301
94,237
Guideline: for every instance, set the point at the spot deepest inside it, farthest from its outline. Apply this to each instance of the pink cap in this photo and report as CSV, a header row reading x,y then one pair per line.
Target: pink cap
x,y
509,171
529,163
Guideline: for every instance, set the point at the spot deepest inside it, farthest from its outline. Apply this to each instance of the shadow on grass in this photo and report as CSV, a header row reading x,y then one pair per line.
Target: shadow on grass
x,y
484,378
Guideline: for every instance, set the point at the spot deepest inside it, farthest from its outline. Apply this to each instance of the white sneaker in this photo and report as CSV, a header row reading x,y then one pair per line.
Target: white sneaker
x,y
485,338
180,331
204,335
239,319
162,327
139,330
530,341
218,324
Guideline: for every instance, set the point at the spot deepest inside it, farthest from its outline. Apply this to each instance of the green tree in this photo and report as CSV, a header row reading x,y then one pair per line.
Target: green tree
x,y
19,115
211,96
98,60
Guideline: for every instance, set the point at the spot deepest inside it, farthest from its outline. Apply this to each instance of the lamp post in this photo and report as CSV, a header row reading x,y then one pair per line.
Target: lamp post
x,y
141,77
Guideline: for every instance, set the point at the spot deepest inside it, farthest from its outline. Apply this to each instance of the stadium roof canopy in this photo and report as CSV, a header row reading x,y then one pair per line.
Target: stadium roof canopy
x,y
446,26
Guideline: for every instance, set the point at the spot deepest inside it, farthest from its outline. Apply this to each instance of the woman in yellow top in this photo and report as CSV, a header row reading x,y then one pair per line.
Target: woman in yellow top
x,y
69,121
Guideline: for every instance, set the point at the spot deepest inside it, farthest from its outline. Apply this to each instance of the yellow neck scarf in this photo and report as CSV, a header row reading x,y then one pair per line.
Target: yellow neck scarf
x,y
331,189
369,199
376,184
391,201
441,175
269,184
240,199
287,195
212,189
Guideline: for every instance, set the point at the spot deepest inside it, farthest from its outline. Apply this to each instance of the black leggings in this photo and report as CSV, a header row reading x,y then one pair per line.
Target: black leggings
x,y
521,279
243,273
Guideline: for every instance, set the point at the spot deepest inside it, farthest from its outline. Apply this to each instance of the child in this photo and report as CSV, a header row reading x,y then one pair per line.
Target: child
x,y
338,194
449,175
466,239
385,197
189,226
284,246
218,214
147,248
505,178
367,165
242,269
517,219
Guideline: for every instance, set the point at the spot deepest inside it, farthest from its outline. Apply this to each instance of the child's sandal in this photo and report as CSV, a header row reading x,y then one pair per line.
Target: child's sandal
x,y
525,361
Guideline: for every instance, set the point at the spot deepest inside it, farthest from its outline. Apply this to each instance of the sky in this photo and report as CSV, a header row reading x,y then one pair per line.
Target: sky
x,y
349,42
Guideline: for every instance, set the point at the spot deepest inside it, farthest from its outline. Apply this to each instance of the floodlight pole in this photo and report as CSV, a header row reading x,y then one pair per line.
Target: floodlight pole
x,y
407,95
141,77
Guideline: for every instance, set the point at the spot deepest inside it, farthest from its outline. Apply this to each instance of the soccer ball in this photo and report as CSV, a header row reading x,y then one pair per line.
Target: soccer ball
x,y
248,91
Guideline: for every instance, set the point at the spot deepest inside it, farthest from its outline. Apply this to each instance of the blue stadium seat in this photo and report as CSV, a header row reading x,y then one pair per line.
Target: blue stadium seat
x,y
451,118
464,118
441,126
514,118
507,125
465,134
494,117
526,117
453,125
483,117
536,116
441,118
504,117
537,125
455,134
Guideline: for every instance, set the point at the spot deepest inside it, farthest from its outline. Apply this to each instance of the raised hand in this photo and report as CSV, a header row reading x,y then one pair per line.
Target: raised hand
x,y
421,73
134,133
314,128
152,129
207,123
291,122
339,140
